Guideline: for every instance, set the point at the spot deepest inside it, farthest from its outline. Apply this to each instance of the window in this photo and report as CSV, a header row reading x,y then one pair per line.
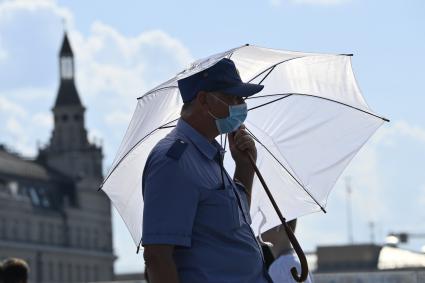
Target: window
x,y
41,232
51,274
59,235
15,230
50,233
78,273
67,67
64,118
34,196
87,273
95,239
96,273
13,187
3,186
3,228
60,271
87,237
70,278
78,237
28,231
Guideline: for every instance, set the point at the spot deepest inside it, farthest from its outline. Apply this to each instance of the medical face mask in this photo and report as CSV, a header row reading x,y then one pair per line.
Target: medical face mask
x,y
237,115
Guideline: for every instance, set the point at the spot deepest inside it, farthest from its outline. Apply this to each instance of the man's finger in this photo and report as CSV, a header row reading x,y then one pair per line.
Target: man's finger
x,y
246,145
241,133
243,138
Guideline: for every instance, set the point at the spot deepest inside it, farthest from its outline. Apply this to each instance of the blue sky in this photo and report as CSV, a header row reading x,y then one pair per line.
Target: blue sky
x,y
124,48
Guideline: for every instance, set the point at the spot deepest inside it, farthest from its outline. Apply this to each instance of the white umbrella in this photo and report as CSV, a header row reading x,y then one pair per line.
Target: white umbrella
x,y
309,122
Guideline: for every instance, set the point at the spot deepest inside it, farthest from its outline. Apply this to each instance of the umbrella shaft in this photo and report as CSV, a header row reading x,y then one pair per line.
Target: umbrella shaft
x,y
289,232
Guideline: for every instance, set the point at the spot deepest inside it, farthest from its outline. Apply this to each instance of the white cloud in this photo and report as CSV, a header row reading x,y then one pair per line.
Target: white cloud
x,y
3,53
9,107
8,8
366,170
422,196
118,118
276,3
388,135
320,2
112,70
14,127
17,132
43,119
34,24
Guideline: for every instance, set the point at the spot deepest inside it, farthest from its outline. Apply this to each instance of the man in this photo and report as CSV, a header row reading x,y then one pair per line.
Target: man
x,y
14,270
285,257
196,223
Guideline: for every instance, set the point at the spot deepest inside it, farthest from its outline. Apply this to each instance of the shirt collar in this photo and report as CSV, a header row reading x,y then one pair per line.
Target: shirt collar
x,y
209,149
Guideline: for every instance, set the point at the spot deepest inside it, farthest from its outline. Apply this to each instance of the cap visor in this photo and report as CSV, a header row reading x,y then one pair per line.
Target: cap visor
x,y
243,90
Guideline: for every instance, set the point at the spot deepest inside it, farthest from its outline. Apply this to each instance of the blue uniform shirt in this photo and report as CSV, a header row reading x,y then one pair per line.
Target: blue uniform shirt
x,y
187,205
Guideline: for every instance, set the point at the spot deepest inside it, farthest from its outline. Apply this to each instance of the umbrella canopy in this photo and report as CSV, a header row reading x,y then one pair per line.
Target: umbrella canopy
x,y
309,121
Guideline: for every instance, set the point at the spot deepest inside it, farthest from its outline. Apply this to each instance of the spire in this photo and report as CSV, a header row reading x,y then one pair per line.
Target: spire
x,y
66,47
67,94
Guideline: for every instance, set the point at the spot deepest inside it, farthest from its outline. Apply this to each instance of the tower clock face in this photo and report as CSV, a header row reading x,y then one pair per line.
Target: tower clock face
x,y
66,68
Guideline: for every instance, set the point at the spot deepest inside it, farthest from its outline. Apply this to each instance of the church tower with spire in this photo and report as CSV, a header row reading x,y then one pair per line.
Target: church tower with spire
x,y
51,212
69,150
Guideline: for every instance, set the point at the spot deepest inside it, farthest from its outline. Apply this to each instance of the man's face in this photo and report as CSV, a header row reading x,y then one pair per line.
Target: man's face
x,y
219,103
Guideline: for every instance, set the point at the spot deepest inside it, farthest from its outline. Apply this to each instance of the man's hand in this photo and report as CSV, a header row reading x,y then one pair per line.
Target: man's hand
x,y
240,144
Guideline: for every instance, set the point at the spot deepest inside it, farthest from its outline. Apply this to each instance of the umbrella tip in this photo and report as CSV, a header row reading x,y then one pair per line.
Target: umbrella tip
x,y
385,119
246,44
323,209
350,55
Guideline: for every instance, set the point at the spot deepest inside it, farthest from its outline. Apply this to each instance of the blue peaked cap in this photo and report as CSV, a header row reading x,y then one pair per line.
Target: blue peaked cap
x,y
222,76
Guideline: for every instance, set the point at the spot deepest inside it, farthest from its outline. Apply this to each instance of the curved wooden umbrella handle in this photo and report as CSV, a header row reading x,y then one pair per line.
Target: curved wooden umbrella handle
x,y
300,253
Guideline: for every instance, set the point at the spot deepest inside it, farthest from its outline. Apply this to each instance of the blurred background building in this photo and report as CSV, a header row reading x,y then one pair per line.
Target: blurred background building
x,y
367,263
51,213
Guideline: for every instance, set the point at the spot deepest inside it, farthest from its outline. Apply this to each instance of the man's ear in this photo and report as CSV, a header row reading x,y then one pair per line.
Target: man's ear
x,y
202,99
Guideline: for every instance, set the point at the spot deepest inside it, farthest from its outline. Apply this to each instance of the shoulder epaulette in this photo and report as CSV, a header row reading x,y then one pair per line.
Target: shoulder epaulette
x,y
177,149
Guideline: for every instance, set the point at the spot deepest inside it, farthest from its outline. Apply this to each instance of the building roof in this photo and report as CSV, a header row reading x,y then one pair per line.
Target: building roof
x,y
23,178
393,257
67,94
66,49
15,165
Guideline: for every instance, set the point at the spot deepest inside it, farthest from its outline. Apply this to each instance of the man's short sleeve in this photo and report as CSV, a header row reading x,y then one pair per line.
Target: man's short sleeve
x,y
170,204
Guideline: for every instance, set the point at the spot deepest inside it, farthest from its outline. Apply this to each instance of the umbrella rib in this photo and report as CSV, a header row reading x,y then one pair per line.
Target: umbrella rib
x,y
345,104
311,95
155,90
273,66
283,166
264,104
265,77
164,126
